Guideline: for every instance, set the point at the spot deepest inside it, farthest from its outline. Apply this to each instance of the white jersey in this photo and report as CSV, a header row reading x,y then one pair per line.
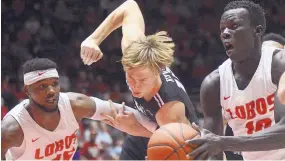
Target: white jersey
x,y
40,143
252,109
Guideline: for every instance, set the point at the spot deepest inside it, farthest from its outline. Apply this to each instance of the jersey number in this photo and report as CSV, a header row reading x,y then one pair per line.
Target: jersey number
x,y
260,125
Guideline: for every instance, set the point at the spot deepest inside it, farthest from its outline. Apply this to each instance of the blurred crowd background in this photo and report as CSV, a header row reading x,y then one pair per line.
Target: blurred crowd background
x,y
55,29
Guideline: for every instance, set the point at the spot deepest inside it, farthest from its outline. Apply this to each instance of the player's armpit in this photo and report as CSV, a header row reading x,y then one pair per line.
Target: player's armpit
x,y
12,135
173,111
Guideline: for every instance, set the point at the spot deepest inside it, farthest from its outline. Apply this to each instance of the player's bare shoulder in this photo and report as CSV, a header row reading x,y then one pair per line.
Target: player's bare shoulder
x,y
210,89
82,105
278,65
12,134
211,83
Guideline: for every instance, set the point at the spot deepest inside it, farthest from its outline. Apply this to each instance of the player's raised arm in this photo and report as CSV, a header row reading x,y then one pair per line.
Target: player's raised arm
x,y
93,108
12,135
127,15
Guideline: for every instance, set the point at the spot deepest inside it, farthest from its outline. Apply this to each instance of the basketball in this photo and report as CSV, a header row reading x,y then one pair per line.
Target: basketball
x,y
168,142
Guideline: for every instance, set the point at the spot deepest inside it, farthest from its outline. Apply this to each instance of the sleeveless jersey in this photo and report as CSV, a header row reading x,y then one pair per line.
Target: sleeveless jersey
x,y
252,109
40,143
170,90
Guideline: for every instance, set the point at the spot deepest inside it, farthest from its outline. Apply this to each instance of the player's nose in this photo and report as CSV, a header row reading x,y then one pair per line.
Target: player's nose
x,y
226,34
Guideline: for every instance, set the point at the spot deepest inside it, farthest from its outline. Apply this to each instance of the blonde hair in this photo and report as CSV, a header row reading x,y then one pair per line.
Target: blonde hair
x,y
153,51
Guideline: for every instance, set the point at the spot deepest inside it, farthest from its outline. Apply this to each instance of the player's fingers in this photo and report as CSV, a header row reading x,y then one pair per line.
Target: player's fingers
x,y
107,117
100,56
108,122
202,156
85,55
113,108
196,127
196,152
195,141
92,58
145,157
122,109
90,55
97,56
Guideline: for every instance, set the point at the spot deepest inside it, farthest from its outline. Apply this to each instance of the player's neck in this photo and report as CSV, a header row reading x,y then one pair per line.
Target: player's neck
x,y
154,90
248,66
47,120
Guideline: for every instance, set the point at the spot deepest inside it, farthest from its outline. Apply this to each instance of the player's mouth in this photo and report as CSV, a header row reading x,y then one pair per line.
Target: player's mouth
x,y
52,100
228,47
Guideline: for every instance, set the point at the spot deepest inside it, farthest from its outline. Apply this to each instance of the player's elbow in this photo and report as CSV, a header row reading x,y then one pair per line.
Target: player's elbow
x,y
172,112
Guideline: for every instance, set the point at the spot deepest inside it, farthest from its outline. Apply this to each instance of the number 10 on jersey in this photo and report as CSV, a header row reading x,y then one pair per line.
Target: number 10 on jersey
x,y
258,126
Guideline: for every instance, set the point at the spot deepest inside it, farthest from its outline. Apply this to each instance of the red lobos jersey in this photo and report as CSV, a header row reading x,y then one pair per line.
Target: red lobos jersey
x,y
252,109
40,143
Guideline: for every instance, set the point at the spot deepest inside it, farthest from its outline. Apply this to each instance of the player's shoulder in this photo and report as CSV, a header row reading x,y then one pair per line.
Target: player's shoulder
x,y
278,65
211,81
11,131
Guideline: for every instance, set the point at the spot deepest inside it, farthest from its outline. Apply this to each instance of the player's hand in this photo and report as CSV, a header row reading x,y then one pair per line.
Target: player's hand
x,y
121,119
209,144
90,51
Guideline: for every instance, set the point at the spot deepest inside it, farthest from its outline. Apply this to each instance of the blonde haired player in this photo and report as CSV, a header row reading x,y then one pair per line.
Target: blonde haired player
x,y
157,92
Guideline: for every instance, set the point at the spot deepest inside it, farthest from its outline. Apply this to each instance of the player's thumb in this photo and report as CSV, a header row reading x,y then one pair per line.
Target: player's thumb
x,y
122,109
196,127
194,141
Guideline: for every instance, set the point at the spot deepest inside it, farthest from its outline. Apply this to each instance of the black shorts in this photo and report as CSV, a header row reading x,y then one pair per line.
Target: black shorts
x,y
231,155
134,148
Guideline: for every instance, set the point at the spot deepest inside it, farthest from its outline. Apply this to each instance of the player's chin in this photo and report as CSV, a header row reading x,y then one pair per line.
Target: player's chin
x,y
137,94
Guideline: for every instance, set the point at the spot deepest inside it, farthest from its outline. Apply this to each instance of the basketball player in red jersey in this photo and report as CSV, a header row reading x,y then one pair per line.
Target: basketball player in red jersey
x,y
245,83
43,127
157,92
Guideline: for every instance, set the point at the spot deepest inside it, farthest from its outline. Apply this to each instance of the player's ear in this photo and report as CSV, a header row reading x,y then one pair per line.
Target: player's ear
x,y
258,30
26,90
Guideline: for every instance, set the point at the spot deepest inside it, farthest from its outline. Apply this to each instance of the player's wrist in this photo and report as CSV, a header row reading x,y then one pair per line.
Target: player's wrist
x,y
222,142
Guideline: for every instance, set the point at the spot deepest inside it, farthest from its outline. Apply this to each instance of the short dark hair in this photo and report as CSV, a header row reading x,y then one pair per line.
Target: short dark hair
x,y
274,37
38,64
256,12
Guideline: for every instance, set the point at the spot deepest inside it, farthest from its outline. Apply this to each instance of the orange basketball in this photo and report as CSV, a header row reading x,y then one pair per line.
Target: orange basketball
x,y
168,142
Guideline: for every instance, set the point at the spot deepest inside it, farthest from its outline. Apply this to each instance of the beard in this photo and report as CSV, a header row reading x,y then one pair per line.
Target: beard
x,y
55,109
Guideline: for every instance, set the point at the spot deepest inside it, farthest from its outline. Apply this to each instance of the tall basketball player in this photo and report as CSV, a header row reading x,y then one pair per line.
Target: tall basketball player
x,y
157,92
43,127
272,40
245,83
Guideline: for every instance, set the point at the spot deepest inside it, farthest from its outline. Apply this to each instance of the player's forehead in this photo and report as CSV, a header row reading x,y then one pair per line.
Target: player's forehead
x,y
235,15
140,72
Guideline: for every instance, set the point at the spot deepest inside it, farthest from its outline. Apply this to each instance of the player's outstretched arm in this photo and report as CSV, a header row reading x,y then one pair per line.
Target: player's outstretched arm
x,y
94,108
12,135
129,16
213,119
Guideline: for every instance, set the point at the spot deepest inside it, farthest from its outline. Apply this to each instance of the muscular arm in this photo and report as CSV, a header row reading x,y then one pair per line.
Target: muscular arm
x,y
86,107
12,135
173,111
127,15
210,103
